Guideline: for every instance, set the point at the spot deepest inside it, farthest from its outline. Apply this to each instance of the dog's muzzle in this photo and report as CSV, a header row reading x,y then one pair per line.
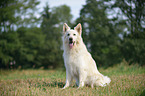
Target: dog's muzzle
x,y
70,40
71,43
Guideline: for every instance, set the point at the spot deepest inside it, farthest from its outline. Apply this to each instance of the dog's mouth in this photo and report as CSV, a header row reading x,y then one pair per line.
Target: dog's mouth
x,y
71,43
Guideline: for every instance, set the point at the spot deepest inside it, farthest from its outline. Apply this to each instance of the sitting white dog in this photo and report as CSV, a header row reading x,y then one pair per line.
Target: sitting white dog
x,y
78,61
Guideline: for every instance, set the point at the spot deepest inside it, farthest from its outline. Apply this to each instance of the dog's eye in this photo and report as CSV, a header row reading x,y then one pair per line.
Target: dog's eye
x,y
68,34
74,34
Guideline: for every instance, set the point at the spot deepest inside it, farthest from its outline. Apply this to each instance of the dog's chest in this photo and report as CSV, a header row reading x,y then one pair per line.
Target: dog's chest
x,y
73,61
73,64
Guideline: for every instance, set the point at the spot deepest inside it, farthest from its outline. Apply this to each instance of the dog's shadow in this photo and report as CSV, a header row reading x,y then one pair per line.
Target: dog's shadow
x,y
52,84
56,84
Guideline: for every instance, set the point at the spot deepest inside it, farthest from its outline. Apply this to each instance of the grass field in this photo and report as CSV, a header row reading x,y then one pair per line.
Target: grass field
x,y
126,81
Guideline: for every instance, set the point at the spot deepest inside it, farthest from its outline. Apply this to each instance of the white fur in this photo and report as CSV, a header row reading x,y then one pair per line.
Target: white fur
x,y
79,62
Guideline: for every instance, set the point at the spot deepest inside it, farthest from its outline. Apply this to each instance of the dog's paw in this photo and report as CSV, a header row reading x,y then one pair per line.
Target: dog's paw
x,y
65,87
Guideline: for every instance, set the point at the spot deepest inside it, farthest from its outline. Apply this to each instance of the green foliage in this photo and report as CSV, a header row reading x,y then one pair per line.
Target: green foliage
x,y
9,47
62,13
32,40
52,27
7,11
133,50
24,45
112,40
132,46
17,13
99,35
134,11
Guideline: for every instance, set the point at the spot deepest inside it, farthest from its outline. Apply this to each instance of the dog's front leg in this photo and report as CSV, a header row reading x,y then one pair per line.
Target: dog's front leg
x,y
82,77
68,80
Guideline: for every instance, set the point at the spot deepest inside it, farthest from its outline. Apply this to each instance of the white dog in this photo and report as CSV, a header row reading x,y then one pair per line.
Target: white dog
x,y
78,61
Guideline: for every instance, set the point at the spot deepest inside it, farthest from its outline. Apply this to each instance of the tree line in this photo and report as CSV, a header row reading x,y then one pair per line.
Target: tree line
x,y
24,44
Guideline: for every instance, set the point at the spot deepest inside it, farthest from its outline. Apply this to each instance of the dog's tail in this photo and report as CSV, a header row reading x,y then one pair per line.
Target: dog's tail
x,y
107,80
103,81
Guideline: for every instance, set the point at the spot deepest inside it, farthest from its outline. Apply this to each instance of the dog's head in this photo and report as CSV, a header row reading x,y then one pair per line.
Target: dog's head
x,y
70,35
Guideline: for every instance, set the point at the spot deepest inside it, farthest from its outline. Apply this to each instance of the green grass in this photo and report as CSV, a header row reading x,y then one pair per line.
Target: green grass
x,y
126,81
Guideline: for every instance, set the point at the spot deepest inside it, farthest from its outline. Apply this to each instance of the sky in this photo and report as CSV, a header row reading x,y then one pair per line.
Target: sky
x,y
75,5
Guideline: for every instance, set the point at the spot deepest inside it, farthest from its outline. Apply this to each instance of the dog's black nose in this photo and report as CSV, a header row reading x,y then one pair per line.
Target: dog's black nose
x,y
70,39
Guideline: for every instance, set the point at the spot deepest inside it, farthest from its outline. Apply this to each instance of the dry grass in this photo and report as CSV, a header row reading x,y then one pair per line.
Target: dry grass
x,y
50,82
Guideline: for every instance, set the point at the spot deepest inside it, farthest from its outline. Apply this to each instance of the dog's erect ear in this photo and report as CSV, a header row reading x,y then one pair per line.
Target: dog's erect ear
x,y
65,27
78,28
